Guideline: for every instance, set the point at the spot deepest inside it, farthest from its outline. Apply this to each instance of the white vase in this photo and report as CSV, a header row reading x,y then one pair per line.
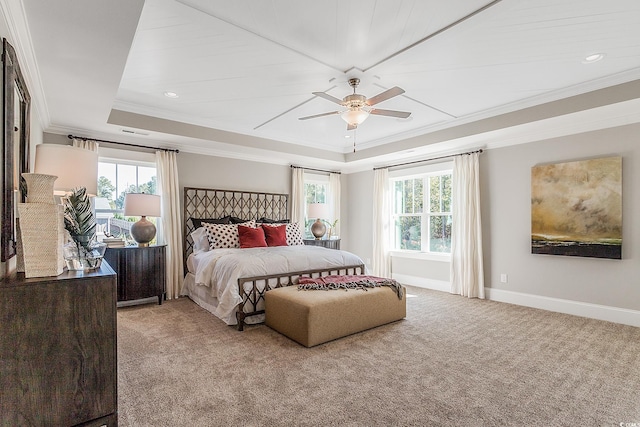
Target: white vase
x,y
40,188
41,228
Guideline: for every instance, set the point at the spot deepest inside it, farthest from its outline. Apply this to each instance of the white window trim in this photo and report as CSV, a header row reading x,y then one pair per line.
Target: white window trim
x,y
426,256
126,157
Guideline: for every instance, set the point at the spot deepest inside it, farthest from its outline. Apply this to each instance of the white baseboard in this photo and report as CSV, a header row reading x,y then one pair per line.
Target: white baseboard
x,y
421,282
576,308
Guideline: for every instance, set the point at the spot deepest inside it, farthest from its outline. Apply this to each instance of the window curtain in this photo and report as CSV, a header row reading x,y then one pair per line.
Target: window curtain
x,y
169,224
334,201
87,144
381,216
467,274
297,196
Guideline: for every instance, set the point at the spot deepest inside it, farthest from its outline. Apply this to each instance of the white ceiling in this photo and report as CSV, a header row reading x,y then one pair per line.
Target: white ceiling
x,y
245,70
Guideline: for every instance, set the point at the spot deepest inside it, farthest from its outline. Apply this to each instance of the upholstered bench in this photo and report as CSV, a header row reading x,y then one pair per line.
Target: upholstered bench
x,y
313,317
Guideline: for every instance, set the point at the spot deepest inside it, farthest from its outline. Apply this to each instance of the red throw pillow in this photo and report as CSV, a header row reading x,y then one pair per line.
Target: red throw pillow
x,y
251,237
276,236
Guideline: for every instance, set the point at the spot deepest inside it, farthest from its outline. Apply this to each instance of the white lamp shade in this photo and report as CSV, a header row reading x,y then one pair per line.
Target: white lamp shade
x,y
74,167
318,210
354,116
141,204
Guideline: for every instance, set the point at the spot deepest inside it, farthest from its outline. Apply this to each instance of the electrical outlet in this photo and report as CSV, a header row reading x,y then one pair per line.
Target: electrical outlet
x,y
504,278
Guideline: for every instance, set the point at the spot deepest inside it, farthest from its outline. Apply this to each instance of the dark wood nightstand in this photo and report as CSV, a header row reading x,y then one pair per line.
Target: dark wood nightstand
x,y
331,244
141,271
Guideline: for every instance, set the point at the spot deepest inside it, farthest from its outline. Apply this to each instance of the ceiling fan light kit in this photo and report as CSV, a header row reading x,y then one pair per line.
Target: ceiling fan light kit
x,y
354,116
358,107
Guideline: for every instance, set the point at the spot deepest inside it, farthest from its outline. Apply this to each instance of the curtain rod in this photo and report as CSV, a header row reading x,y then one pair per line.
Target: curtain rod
x,y
427,160
311,169
122,143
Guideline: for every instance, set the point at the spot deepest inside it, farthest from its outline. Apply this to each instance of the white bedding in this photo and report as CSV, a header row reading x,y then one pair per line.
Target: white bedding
x,y
216,272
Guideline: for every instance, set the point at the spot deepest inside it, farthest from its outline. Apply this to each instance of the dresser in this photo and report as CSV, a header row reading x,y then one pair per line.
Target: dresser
x,y
141,271
331,244
58,349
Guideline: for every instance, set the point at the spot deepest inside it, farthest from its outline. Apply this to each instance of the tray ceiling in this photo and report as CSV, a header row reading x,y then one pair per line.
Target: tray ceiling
x,y
246,69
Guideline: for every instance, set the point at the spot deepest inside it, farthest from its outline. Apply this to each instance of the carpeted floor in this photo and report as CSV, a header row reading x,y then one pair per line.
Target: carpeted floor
x,y
452,362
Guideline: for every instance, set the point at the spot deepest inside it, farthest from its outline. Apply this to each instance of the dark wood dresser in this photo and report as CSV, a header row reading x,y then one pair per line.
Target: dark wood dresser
x,y
141,271
58,362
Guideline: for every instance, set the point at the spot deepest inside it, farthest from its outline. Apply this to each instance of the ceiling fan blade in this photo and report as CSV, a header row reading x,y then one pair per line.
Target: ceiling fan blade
x,y
319,115
383,96
391,113
352,126
328,97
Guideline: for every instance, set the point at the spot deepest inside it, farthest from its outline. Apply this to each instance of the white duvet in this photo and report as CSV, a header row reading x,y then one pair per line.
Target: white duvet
x,y
218,271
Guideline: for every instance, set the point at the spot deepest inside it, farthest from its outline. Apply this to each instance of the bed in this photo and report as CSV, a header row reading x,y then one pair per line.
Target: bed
x,y
231,283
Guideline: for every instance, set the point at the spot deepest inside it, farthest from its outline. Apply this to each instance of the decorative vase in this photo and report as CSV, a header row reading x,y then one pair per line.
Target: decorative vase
x,y
40,188
41,233
78,258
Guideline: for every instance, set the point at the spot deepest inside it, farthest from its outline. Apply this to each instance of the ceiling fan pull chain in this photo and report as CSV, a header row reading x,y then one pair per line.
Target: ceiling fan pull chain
x,y
354,139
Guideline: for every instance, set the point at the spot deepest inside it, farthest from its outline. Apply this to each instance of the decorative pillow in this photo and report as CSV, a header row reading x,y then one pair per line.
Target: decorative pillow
x,y
264,220
275,236
294,236
236,220
251,237
224,235
197,222
200,240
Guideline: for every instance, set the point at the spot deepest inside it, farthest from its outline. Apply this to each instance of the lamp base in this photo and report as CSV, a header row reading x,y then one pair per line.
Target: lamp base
x,y
143,232
318,229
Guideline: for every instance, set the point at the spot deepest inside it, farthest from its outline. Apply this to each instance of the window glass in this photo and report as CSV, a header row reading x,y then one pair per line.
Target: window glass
x,y
417,230
115,180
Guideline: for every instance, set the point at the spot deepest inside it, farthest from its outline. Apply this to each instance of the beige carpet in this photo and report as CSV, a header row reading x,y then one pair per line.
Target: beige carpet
x,y
452,362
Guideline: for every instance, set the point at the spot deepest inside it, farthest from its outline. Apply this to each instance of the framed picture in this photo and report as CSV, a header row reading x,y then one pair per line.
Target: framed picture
x,y
576,208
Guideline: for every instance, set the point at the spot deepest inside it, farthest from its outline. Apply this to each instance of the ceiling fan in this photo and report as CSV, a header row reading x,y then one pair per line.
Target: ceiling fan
x,y
358,107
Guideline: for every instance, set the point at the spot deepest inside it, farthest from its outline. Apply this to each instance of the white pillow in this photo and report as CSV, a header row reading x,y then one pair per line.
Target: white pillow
x,y
294,236
200,240
222,236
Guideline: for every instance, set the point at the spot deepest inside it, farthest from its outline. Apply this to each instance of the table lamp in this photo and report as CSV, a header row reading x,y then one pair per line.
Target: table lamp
x,y
142,205
318,211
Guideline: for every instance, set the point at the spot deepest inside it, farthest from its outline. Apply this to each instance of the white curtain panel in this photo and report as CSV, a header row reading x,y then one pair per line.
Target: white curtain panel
x,y
334,200
86,144
467,273
169,224
381,264
297,196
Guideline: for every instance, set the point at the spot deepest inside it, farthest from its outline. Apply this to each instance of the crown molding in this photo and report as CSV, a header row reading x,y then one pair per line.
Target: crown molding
x,y
20,37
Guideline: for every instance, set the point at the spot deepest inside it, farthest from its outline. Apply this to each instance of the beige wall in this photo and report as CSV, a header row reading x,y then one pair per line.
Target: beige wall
x,y
505,189
232,174
505,186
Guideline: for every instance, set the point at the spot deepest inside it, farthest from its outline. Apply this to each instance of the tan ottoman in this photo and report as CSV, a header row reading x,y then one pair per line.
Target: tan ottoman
x,y
317,316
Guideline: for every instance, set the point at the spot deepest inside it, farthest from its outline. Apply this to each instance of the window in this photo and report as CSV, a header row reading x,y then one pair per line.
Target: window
x,y
316,190
422,219
115,179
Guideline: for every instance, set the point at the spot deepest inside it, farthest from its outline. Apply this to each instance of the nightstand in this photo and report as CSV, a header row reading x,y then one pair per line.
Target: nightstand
x,y
331,244
141,271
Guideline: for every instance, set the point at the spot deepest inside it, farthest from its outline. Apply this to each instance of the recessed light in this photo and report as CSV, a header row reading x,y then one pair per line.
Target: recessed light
x,y
171,94
347,136
595,57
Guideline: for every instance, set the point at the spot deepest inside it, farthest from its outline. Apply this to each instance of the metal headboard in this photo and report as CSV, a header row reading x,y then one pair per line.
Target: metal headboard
x,y
210,203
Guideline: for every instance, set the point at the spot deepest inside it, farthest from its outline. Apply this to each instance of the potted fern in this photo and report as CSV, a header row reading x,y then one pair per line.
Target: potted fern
x,y
83,252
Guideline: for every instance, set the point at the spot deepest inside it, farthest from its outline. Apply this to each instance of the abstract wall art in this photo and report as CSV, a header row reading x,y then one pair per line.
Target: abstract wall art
x,y
576,208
